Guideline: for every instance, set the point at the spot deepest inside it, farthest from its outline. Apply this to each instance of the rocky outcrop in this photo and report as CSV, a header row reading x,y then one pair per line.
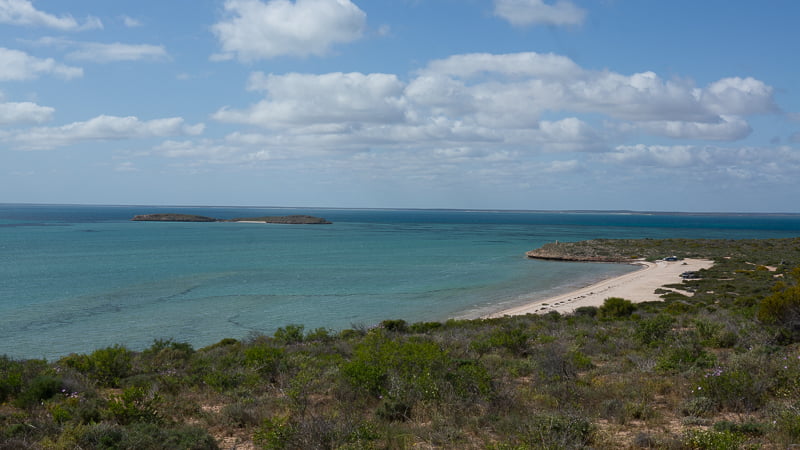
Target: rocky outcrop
x,y
586,251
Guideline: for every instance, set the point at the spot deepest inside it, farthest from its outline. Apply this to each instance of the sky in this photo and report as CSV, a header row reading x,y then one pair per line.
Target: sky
x,y
644,105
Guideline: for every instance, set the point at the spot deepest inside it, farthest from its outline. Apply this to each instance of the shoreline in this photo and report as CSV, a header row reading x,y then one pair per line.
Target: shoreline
x,y
637,286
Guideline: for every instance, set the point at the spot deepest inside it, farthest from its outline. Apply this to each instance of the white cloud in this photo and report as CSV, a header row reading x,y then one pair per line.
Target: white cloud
x,y
103,53
716,166
501,106
130,22
304,100
101,128
655,155
22,12
739,96
24,112
728,128
520,65
257,30
17,66
537,12
526,84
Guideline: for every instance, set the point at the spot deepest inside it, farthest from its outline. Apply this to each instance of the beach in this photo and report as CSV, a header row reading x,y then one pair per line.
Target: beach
x,y
638,286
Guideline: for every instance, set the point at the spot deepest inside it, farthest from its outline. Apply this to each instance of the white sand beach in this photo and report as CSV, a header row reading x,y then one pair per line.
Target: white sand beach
x,y
638,286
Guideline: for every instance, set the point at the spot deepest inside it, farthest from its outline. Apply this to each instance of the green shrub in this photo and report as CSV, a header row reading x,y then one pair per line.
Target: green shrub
x,y
275,434
653,331
615,308
395,326
43,387
787,425
747,428
515,340
712,440
552,431
314,432
732,389
782,309
392,410
265,358
136,404
410,370
106,365
683,354
143,436
586,311
227,342
425,327
319,335
11,377
290,334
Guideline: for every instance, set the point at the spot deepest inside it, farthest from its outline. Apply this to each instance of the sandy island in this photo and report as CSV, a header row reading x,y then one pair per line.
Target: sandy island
x,y
638,286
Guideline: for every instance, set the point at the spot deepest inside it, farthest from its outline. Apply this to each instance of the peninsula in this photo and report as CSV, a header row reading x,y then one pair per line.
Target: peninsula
x,y
291,219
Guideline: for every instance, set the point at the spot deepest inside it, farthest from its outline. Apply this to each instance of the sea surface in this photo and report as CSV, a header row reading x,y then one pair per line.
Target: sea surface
x,y
78,278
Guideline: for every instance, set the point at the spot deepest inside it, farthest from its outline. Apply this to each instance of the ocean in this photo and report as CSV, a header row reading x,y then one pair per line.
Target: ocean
x,y
77,278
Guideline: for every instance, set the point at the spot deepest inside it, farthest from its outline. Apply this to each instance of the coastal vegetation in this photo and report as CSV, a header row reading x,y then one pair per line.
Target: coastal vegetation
x,y
719,369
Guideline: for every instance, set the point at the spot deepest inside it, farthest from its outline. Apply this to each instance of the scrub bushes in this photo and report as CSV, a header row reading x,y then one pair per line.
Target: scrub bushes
x,y
615,308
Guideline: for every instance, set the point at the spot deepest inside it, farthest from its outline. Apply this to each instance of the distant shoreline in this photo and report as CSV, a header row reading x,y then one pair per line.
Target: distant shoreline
x,y
481,210
291,219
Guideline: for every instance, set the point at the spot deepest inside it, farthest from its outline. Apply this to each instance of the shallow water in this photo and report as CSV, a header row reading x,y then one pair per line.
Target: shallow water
x,y
76,278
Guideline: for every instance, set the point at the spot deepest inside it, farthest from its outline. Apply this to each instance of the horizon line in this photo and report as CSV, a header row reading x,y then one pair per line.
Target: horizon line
x,y
483,210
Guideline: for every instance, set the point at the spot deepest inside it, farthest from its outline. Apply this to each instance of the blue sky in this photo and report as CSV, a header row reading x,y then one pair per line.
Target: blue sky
x,y
493,104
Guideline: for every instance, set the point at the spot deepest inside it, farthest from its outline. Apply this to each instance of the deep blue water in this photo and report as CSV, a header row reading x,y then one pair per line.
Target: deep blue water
x,y
76,278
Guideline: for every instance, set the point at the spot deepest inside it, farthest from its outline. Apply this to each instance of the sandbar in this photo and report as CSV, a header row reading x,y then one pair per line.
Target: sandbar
x,y
638,286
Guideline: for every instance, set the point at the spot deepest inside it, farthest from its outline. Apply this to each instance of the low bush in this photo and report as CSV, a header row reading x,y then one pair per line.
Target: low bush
x,y
135,404
712,440
290,334
654,331
615,308
43,387
782,309
106,365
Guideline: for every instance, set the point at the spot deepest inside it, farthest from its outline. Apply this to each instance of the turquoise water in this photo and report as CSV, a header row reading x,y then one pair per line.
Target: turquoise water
x,y
76,278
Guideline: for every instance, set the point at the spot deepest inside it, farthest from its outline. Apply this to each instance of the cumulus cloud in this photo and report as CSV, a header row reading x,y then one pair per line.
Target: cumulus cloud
x,y
17,66
24,112
501,105
537,12
728,128
520,65
101,128
656,155
256,30
555,83
22,12
302,100
739,96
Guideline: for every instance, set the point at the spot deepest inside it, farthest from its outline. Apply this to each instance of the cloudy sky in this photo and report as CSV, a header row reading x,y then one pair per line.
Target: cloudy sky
x,y
678,105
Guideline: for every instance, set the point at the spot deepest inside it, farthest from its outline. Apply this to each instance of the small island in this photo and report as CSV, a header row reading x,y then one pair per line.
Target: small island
x,y
291,219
